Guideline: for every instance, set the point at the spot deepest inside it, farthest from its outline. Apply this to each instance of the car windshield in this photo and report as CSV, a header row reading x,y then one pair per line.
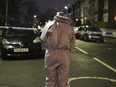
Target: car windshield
x,y
94,29
16,32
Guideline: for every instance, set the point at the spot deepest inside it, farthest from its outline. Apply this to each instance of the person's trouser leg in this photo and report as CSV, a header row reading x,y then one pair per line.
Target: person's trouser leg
x,y
51,65
51,78
63,69
57,69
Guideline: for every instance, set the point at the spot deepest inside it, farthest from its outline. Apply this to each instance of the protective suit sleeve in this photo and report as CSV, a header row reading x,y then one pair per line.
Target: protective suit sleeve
x,y
72,38
45,29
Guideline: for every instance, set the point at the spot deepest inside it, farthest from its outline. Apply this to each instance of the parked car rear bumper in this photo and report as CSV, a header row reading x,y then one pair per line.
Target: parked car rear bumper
x,y
35,50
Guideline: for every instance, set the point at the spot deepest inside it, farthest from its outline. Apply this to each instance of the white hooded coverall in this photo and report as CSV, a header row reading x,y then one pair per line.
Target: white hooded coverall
x,y
57,58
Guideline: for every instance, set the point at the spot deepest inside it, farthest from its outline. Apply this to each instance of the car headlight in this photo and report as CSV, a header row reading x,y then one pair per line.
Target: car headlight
x,y
5,41
37,40
90,36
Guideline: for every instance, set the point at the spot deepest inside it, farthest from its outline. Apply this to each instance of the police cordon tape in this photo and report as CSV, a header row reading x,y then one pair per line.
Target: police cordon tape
x,y
110,33
24,28
107,32
18,28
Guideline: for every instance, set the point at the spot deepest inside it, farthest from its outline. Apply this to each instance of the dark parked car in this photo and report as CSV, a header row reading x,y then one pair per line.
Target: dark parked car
x,y
16,42
91,33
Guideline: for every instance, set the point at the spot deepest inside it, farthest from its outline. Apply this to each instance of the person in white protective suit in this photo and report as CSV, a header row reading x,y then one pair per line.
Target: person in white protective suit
x,y
57,57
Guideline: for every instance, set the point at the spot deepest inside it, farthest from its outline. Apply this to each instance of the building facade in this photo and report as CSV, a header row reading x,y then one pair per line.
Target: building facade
x,y
93,12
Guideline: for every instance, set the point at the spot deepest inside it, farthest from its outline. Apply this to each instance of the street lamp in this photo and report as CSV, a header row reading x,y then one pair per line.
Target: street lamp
x,y
115,18
77,19
34,16
66,9
6,18
35,21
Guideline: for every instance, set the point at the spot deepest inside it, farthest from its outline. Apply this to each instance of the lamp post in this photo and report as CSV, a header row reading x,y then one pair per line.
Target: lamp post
x,y
6,18
66,9
35,21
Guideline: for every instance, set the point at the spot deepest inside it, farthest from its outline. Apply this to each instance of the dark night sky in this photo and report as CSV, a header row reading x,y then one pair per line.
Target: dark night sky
x,y
45,4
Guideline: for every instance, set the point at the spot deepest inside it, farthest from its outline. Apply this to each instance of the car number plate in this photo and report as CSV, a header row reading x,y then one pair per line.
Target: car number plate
x,y
96,36
21,50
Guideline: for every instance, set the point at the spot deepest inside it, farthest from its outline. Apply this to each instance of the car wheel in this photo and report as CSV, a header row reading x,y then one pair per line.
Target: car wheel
x,y
3,57
86,38
102,41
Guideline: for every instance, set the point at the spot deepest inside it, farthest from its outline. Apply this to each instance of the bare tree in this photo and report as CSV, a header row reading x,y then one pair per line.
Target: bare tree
x,y
28,10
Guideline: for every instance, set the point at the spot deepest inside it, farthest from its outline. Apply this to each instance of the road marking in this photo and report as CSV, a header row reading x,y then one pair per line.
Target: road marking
x,y
82,50
109,48
90,77
106,65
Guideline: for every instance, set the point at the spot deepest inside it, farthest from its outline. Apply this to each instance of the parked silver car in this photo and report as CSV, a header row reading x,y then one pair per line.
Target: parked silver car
x,y
91,33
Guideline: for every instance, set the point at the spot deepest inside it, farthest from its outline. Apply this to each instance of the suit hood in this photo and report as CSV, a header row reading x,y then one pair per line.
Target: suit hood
x,y
63,19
